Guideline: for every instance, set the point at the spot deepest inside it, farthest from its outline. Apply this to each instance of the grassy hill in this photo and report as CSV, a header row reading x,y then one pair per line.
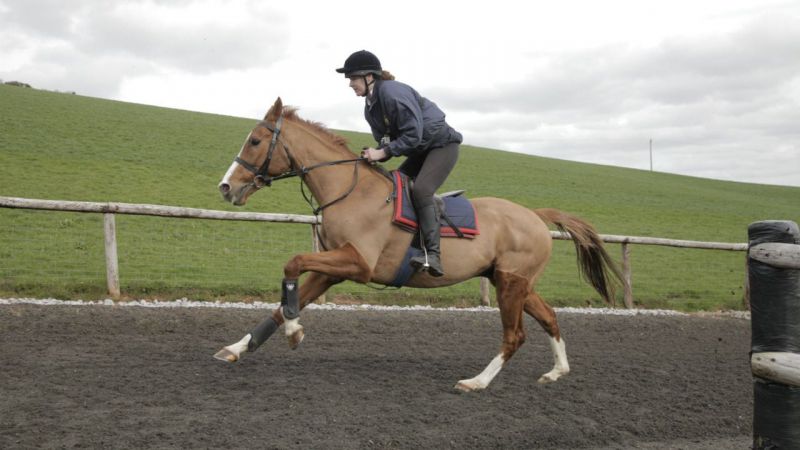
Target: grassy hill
x,y
68,147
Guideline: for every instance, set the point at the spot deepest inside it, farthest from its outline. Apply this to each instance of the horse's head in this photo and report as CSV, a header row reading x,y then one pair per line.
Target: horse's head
x,y
262,157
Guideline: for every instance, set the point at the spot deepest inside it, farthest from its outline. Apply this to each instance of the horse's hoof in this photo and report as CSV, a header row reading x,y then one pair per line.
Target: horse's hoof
x,y
226,355
233,352
550,377
545,379
462,387
296,338
468,386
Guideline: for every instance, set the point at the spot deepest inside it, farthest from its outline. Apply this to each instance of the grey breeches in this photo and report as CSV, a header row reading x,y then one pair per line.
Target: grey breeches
x,y
429,170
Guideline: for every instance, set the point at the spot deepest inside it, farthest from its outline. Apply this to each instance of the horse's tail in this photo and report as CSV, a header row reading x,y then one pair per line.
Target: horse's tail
x,y
594,263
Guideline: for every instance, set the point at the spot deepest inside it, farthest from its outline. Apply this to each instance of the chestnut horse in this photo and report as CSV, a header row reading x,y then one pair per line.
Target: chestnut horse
x,y
362,245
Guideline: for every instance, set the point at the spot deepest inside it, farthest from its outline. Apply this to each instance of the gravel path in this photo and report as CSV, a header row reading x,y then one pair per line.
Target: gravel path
x,y
117,376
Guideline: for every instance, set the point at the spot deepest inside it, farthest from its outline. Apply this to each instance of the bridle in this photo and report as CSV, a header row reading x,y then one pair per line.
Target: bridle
x,y
262,177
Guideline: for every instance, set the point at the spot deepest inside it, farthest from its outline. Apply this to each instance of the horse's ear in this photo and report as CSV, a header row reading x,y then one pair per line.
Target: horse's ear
x,y
275,111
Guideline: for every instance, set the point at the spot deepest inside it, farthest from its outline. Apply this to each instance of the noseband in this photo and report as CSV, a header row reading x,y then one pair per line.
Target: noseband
x,y
262,177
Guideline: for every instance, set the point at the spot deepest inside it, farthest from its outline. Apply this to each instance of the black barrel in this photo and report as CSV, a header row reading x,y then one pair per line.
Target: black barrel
x,y
775,319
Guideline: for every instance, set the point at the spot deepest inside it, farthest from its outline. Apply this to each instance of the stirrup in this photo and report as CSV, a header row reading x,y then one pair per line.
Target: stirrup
x,y
423,265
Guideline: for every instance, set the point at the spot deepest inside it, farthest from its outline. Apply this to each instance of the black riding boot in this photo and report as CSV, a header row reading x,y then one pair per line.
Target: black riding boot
x,y
429,225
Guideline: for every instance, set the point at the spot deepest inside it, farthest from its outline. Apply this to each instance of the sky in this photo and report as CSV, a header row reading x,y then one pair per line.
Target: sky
x,y
711,86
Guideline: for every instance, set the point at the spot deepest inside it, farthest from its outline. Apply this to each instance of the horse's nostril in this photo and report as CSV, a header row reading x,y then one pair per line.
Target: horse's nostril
x,y
224,188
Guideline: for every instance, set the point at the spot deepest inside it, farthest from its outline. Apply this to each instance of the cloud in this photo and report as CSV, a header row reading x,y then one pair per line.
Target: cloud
x,y
99,43
42,18
712,85
196,37
728,96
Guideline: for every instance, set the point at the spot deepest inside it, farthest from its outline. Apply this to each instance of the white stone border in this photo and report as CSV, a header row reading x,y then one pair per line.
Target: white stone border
x,y
186,303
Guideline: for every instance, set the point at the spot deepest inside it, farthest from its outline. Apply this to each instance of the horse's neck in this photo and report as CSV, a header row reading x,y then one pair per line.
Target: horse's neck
x,y
328,183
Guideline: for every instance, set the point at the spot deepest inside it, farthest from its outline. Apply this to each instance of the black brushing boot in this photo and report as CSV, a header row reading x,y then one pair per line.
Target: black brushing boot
x,y
429,226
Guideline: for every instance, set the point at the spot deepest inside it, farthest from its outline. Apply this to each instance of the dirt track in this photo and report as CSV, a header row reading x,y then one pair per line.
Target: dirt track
x,y
130,377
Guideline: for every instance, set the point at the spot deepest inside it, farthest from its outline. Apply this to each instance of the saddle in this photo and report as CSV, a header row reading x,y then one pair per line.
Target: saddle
x,y
456,218
456,214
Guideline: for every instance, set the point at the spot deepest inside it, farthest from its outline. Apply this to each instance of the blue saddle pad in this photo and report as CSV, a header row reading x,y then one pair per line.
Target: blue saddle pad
x,y
459,221
459,215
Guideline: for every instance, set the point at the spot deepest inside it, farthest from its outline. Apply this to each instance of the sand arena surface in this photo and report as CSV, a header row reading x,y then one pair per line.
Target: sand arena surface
x,y
112,376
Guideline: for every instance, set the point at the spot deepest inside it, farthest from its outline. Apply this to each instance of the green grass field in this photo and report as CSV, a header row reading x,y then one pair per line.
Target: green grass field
x,y
67,147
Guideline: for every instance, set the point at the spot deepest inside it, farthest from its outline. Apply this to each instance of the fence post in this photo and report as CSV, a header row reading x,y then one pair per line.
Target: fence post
x,y
626,275
315,248
485,299
112,264
774,274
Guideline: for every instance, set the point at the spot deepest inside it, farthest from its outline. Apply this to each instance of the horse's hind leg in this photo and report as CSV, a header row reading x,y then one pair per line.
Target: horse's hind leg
x,y
544,314
511,294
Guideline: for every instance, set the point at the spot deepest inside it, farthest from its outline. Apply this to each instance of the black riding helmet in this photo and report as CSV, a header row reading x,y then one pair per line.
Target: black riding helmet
x,y
361,63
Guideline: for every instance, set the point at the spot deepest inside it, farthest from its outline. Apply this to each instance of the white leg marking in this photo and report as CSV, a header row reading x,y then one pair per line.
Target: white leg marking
x,y
484,378
233,352
241,346
561,366
294,331
292,326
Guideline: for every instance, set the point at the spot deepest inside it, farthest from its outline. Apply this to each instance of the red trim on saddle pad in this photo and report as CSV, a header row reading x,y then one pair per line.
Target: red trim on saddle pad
x,y
399,199
405,217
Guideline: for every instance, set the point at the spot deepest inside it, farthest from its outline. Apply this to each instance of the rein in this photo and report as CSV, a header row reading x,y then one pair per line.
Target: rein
x,y
262,177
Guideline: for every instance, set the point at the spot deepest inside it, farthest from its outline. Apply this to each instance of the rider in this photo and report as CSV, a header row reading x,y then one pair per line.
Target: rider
x,y
407,124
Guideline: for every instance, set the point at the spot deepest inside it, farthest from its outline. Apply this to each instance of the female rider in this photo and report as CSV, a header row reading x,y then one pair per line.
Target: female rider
x,y
407,124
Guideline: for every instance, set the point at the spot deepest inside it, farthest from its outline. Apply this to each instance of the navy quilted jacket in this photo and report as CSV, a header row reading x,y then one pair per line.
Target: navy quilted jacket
x,y
412,122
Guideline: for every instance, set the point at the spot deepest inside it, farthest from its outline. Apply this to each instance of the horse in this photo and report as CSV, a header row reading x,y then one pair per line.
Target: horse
x,y
361,244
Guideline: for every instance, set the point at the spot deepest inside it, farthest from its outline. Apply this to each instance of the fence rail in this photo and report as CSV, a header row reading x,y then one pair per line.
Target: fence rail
x,y
153,210
109,209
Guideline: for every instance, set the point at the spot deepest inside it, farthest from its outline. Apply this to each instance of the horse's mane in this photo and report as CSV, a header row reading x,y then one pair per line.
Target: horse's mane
x,y
290,113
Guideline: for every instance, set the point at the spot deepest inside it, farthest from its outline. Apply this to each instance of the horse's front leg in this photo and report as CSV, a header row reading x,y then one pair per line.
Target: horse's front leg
x,y
342,263
313,286
329,268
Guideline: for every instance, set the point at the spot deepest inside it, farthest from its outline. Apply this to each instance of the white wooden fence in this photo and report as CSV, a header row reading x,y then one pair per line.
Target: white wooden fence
x,y
110,209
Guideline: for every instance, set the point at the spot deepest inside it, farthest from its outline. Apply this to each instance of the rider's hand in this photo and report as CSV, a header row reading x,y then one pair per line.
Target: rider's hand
x,y
374,154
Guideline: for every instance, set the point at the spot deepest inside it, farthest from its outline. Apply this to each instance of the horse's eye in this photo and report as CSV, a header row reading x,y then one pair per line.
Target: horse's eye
x,y
255,141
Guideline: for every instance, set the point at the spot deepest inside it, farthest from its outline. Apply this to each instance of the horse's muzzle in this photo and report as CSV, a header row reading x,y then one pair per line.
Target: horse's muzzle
x,y
225,190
